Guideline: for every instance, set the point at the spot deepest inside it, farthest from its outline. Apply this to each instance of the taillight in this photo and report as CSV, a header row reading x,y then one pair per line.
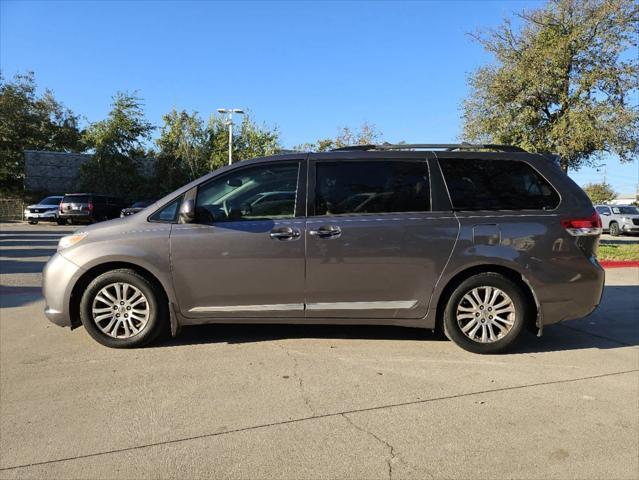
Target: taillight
x,y
90,207
579,227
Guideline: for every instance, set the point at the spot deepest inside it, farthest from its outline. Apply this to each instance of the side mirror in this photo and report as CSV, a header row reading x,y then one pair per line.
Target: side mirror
x,y
187,211
234,182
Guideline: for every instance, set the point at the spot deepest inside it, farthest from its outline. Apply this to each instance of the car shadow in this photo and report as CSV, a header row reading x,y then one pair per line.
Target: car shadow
x,y
614,324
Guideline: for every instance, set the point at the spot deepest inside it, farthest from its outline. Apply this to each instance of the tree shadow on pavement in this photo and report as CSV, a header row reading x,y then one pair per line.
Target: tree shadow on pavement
x,y
17,296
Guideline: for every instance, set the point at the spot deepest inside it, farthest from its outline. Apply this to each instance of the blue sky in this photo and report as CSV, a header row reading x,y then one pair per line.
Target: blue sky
x,y
304,67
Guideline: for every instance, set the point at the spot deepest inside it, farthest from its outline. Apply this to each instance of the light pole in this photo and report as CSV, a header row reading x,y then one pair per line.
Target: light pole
x,y
229,122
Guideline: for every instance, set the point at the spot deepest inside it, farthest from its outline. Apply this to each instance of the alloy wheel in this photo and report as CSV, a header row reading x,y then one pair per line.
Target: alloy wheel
x,y
485,314
120,310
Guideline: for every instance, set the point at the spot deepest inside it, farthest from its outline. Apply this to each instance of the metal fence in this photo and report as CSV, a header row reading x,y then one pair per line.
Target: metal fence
x,y
11,209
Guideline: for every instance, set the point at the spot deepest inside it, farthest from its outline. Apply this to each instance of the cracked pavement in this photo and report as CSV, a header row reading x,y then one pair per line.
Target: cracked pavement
x,y
312,401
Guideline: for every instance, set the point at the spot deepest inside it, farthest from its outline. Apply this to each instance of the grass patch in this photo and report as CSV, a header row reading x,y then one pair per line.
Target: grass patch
x,y
619,252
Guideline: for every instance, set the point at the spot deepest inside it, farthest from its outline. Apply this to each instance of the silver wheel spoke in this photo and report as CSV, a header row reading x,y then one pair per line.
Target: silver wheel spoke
x,y
120,310
472,301
485,314
469,325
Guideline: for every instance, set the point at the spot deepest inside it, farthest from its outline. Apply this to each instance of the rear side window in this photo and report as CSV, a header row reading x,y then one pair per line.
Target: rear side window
x,y
371,187
603,210
497,185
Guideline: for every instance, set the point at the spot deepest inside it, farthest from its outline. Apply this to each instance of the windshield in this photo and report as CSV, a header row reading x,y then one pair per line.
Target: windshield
x,y
51,201
629,210
142,204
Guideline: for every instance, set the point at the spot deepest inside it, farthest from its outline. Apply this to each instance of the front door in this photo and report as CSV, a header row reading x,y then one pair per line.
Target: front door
x,y
374,247
244,255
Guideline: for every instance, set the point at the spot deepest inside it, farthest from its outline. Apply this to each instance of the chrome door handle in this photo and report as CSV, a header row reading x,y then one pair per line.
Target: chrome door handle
x,y
284,233
326,231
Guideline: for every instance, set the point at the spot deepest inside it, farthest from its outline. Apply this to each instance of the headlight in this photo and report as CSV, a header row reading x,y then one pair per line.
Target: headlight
x,y
70,240
625,219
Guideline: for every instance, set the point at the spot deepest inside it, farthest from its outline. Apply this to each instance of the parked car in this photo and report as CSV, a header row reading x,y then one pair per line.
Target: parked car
x,y
619,219
88,208
45,210
135,208
479,244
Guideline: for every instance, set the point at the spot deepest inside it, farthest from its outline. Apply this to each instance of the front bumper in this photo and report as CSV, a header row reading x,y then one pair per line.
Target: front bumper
x,y
50,215
630,227
58,277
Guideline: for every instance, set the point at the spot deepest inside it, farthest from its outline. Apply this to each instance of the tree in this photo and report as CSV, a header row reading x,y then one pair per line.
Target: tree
x,y
599,192
182,156
189,149
249,141
562,82
31,122
117,144
364,135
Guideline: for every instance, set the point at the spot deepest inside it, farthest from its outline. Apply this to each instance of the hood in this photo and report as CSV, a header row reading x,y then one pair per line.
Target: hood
x,y
42,205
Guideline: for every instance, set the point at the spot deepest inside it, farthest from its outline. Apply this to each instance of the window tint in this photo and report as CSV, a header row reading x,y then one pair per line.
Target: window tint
x,y
496,185
76,199
626,210
371,187
603,210
255,193
168,213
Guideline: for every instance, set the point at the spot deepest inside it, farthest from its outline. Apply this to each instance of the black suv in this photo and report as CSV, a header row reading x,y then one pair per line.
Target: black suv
x,y
88,208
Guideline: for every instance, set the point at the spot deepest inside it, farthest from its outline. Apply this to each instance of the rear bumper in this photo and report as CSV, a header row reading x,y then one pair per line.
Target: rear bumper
x,y
58,277
76,215
573,292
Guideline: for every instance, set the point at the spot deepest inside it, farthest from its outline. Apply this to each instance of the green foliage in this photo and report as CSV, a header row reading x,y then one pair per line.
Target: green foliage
x,y
629,252
562,82
182,152
599,193
189,149
30,122
117,144
364,135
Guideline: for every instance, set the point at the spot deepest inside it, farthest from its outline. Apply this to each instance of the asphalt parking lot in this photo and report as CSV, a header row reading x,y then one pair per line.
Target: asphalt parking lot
x,y
311,402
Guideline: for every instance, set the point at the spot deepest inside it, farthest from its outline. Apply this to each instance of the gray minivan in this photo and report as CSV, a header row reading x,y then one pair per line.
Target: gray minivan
x,y
480,244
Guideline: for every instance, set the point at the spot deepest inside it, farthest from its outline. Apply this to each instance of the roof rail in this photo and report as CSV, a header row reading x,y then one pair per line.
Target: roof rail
x,y
449,147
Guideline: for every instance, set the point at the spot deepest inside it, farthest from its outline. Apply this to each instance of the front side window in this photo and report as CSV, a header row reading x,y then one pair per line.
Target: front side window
x,y
496,185
256,193
371,187
168,213
603,210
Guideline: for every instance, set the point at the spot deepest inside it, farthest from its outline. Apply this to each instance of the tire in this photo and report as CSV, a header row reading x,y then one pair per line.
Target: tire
x,y
61,221
33,222
504,335
615,231
122,335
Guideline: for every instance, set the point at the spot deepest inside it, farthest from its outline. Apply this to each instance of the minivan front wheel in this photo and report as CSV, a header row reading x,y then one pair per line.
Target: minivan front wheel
x,y
486,313
122,309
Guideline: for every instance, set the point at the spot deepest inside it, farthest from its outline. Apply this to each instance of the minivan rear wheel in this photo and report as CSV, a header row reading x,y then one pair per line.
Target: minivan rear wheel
x,y
486,313
122,309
